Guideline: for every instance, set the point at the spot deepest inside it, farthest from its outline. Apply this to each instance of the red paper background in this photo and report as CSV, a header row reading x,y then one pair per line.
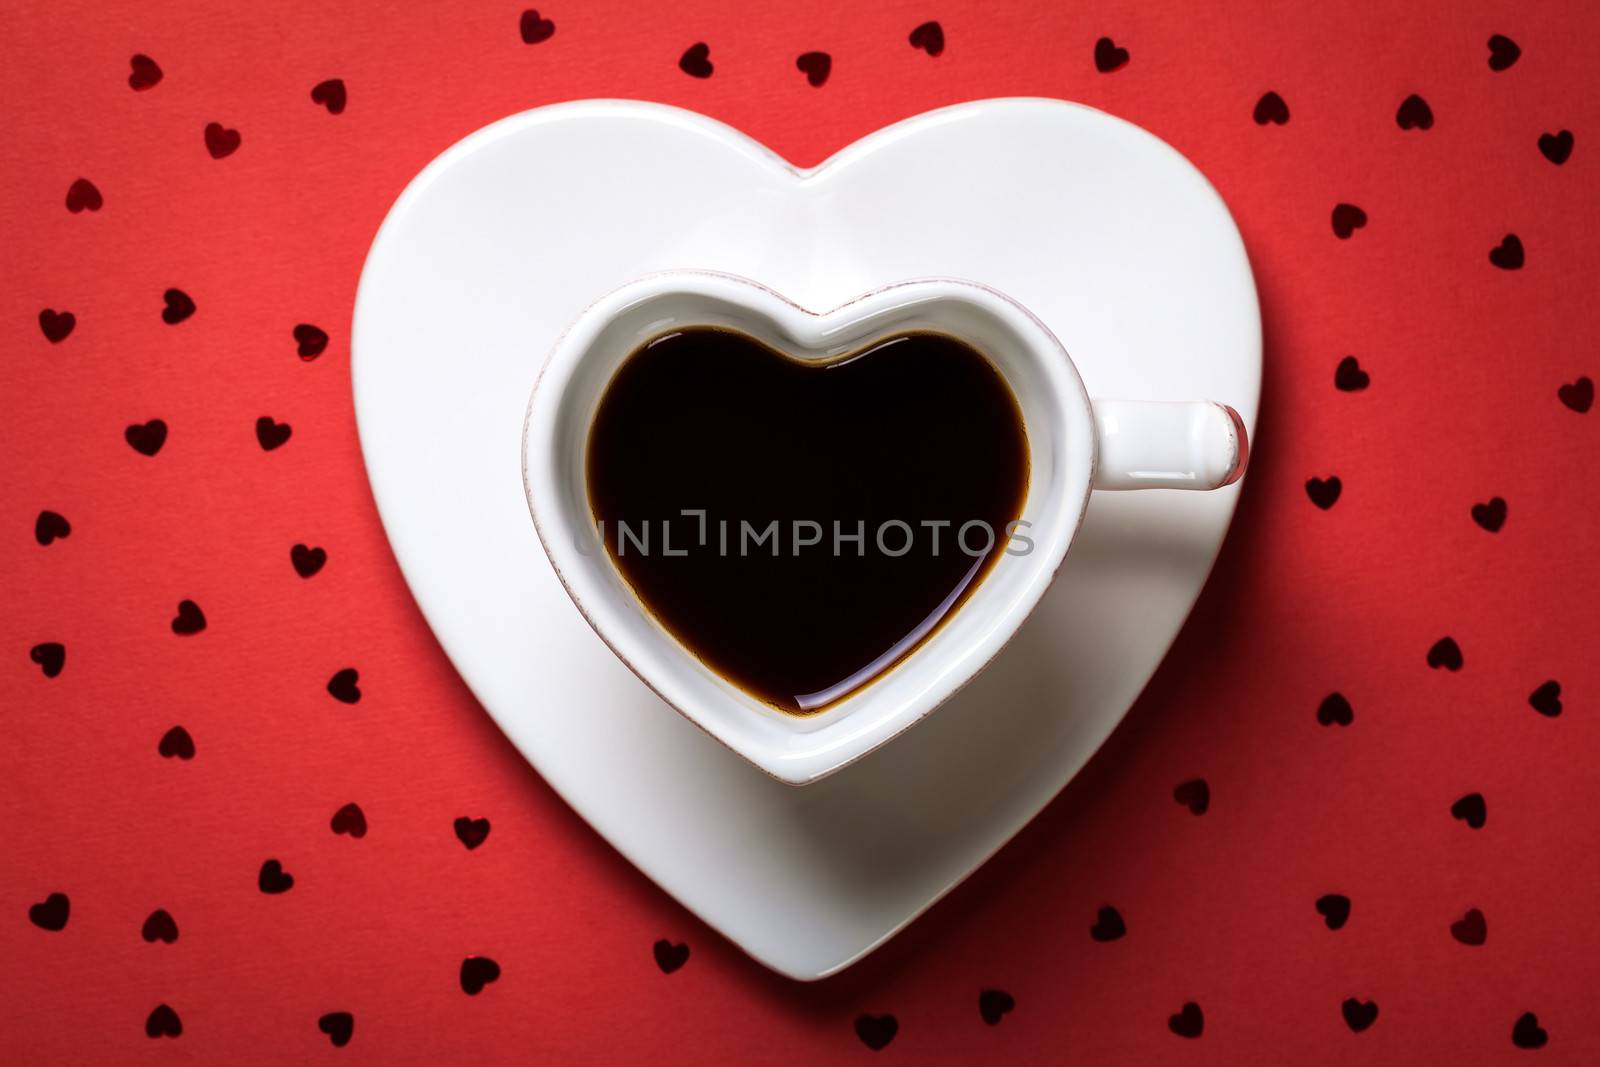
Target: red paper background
x,y
1465,362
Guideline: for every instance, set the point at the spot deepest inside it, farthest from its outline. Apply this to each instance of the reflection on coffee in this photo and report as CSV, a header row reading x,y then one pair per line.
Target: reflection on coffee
x,y
803,526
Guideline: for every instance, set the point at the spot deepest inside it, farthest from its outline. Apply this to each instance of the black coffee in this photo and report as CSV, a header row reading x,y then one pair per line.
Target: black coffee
x,y
801,527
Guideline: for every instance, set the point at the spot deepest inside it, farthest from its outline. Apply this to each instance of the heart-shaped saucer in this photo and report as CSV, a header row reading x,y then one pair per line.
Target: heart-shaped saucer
x,y
1107,234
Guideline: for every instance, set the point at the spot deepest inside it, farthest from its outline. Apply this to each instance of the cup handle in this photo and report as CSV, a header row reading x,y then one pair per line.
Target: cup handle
x,y
1155,444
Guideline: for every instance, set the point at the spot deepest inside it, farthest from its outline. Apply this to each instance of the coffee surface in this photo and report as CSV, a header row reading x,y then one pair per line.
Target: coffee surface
x,y
802,526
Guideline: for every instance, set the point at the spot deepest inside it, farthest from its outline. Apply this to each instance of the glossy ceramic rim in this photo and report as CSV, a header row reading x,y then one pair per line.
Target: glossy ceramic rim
x,y
1058,419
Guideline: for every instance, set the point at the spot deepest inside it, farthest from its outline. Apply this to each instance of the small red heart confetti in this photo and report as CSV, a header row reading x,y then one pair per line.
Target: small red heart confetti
x,y
1527,1033
163,1022
176,744
994,1004
273,879
534,29
1335,710
696,61
1471,928
159,926
1108,56
83,196
221,142
1447,654
815,66
339,1026
179,306
189,620
1556,147
1546,699
1347,219
1491,516
1508,255
1189,1022
1271,108
1195,795
1348,377
1108,925
472,832
1578,395
51,656
310,341
1358,1015
51,913
350,820
876,1031
1414,114
143,73
929,37
1503,52
307,561
670,957
1334,909
1471,809
342,686
270,434
477,972
330,94
146,438
1324,492
56,326
50,527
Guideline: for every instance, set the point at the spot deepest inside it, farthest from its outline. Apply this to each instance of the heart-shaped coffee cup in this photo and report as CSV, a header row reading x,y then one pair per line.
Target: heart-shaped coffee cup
x,y
1074,446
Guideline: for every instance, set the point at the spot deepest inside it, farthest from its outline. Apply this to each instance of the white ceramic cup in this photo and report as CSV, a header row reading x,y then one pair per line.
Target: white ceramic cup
x,y
1075,445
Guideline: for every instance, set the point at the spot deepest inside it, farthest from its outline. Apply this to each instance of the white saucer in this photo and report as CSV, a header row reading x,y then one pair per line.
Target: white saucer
x,y
1106,233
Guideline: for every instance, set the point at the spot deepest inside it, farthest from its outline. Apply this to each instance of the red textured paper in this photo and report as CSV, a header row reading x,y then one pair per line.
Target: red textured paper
x,y
1465,362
